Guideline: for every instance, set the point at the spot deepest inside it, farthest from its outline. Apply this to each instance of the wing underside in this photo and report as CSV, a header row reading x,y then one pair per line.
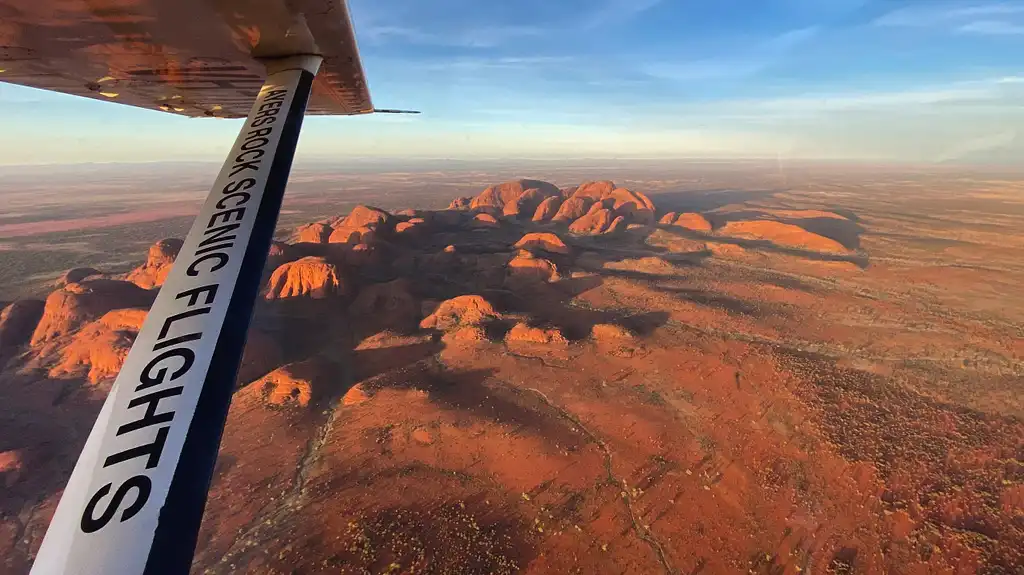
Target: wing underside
x,y
199,58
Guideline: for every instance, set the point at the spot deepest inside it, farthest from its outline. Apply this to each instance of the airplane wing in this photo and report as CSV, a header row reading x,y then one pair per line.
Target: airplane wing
x,y
135,499
198,58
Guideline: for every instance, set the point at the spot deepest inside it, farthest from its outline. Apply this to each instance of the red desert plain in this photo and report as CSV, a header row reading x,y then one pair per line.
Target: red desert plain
x,y
629,368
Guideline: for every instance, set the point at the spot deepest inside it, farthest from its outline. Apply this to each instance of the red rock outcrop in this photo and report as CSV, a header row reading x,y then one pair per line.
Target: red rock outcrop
x,y
523,333
547,209
594,190
499,195
316,233
388,304
312,277
617,225
76,304
75,275
362,216
527,203
693,222
572,209
460,203
668,219
527,268
99,349
543,241
17,322
460,311
484,221
293,385
781,234
161,257
609,332
596,222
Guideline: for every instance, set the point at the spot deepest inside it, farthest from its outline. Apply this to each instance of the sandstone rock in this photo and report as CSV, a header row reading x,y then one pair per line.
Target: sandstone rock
x,y
356,395
360,255
466,310
573,209
76,304
158,264
389,304
290,385
617,225
782,234
598,206
466,334
609,332
279,253
311,277
594,190
523,333
592,224
17,322
76,275
317,233
422,436
498,196
694,222
363,216
547,242
668,219
11,467
547,209
460,203
99,348
527,268
484,221
527,203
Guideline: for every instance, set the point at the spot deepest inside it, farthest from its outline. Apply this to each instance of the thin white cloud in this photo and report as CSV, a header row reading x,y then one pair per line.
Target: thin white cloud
x,y
992,28
616,11
990,18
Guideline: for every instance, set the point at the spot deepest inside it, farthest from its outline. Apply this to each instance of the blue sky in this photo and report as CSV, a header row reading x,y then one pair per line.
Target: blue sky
x,y
895,80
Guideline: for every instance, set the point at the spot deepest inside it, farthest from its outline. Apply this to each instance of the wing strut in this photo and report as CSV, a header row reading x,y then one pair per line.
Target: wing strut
x,y
135,499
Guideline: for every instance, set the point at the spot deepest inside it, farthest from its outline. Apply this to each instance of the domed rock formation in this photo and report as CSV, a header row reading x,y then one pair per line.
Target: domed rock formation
x,y
460,311
527,268
484,221
594,190
292,385
668,219
617,225
161,257
781,234
499,195
547,242
693,222
595,222
353,236
362,216
76,304
17,321
388,305
11,466
99,349
75,275
527,203
547,209
523,333
466,334
460,203
572,209
312,277
278,254
316,233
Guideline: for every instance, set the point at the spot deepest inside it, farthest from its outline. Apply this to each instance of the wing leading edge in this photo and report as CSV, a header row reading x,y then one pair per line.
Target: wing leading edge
x,y
198,58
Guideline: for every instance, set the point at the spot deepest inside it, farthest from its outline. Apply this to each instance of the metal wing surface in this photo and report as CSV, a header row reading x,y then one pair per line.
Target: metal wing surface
x,y
199,58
